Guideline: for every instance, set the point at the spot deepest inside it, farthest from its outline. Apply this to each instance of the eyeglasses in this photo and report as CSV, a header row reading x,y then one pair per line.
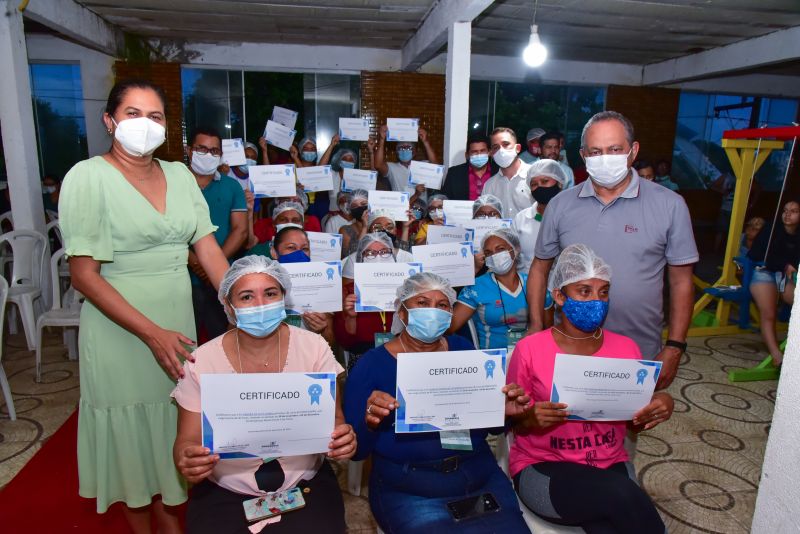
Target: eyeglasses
x,y
378,228
385,253
484,216
203,150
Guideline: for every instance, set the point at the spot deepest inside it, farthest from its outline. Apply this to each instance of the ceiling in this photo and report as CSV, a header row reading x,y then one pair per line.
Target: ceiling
x,y
614,31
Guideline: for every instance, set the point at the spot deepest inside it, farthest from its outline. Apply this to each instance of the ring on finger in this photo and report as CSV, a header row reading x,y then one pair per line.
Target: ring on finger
x,y
369,409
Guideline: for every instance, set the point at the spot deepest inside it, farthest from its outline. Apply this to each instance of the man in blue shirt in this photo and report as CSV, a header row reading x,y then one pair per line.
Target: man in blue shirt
x,y
228,210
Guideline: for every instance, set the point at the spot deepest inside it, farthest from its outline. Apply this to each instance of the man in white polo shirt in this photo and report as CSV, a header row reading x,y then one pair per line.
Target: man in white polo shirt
x,y
510,184
639,228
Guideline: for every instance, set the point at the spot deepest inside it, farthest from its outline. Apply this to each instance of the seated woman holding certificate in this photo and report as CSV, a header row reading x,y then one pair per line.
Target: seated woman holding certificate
x,y
435,216
380,223
568,471
252,293
266,228
496,303
357,333
415,476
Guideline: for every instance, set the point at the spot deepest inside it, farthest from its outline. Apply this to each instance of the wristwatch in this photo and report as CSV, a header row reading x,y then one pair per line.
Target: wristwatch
x,y
677,344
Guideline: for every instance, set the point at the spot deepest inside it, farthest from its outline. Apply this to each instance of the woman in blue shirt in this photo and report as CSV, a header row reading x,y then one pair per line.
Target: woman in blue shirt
x,y
496,303
414,476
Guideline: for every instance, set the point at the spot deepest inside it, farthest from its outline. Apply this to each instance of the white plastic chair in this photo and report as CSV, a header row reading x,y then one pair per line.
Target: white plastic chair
x,y
534,522
12,413
29,248
66,316
5,251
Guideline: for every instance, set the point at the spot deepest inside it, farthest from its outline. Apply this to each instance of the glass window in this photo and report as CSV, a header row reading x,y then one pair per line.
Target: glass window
x,y
213,99
698,159
58,115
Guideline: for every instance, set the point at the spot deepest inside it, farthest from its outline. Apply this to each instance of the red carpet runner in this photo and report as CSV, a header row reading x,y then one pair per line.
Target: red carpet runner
x,y
43,497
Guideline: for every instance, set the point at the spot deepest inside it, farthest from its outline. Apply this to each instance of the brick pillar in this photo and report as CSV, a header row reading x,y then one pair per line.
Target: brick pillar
x,y
403,95
168,77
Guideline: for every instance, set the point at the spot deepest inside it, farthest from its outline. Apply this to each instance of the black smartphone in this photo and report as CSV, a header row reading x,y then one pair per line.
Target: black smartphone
x,y
473,507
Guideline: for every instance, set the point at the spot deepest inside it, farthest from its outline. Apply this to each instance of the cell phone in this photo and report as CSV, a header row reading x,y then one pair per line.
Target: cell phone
x,y
273,504
475,506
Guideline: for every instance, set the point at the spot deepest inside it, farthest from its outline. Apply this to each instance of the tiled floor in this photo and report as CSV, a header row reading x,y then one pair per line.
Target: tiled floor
x,y
701,468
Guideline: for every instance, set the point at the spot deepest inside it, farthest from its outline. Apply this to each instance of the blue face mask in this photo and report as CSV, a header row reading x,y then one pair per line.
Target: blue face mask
x,y
585,315
260,321
405,154
427,324
347,164
479,160
309,155
298,256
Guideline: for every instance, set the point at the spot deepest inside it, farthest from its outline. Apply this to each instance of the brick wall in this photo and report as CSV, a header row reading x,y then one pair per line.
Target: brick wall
x,y
168,77
654,113
403,95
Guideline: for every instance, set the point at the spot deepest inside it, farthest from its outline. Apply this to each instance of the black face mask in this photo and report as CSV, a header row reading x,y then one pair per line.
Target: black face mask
x,y
544,195
357,213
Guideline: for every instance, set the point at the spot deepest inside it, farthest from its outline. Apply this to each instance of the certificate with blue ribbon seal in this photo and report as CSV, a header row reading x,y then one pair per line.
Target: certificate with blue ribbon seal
x,y
446,391
603,389
266,415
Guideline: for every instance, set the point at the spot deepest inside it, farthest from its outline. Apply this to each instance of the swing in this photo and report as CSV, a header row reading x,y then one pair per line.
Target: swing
x,y
747,150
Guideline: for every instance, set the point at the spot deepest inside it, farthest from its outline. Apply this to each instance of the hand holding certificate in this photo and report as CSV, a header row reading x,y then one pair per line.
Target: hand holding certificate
x,y
451,261
457,390
353,129
314,179
284,116
316,287
279,135
393,202
353,179
273,180
325,247
265,415
402,130
603,389
233,152
428,174
376,284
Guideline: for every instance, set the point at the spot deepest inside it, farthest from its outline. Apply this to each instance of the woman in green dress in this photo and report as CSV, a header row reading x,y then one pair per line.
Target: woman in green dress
x,y
128,220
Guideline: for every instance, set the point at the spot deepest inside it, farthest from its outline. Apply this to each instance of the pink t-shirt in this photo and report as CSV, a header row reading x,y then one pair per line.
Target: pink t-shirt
x,y
308,353
599,444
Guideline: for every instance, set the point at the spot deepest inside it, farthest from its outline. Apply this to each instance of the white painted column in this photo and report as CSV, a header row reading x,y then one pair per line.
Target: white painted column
x,y
16,121
456,106
778,491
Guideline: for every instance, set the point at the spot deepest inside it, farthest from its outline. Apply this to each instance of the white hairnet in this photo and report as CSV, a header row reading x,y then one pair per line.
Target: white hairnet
x,y
251,265
305,140
339,154
576,263
379,214
547,167
534,133
437,196
509,236
367,240
248,144
358,194
487,200
414,285
289,205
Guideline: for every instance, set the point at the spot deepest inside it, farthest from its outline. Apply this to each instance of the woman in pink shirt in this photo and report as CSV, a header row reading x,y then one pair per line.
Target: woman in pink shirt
x,y
577,472
252,292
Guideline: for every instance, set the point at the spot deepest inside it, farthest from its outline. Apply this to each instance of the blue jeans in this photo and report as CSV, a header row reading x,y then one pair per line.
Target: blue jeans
x,y
406,499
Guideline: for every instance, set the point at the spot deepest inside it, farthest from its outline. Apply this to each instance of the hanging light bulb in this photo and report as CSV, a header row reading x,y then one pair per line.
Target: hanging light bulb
x,y
535,54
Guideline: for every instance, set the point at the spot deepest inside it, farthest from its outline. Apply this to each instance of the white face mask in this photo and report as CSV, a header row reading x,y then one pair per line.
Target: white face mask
x,y
437,213
48,189
500,263
205,164
505,157
140,136
608,170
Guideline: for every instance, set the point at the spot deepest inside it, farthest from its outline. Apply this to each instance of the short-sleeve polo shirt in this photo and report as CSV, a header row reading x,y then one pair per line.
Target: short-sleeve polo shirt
x,y
637,234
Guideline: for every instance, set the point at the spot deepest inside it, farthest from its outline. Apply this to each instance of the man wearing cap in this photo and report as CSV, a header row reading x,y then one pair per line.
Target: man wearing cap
x,y
228,210
533,149
466,181
640,228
